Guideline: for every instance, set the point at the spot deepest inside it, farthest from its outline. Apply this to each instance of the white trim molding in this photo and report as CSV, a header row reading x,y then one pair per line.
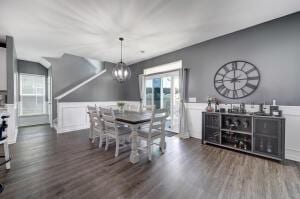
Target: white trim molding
x,y
292,125
72,116
80,85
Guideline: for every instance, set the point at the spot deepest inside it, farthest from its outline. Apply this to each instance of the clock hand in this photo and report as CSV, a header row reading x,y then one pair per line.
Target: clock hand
x,y
234,85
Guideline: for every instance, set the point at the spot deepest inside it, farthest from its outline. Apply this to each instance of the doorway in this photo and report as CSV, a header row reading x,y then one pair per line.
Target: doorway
x,y
162,91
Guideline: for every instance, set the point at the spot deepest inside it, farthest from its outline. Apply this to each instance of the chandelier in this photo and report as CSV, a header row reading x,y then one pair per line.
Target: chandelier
x,y
121,71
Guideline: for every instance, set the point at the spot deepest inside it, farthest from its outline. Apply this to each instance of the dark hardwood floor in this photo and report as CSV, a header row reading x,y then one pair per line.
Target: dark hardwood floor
x,y
47,165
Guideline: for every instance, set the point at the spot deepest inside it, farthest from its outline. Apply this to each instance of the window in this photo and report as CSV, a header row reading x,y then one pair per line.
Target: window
x,y
32,94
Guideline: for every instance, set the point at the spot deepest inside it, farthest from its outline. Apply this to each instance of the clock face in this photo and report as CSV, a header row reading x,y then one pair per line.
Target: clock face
x,y
237,79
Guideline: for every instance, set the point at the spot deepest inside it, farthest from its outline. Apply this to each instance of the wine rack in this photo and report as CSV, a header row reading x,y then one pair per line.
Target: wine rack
x,y
259,135
236,140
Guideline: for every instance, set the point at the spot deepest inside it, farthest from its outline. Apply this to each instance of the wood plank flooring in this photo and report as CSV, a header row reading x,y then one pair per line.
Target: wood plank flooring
x,y
47,165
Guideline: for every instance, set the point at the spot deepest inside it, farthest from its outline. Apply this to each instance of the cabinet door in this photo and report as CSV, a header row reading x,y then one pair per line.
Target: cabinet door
x,y
212,121
211,127
3,73
268,136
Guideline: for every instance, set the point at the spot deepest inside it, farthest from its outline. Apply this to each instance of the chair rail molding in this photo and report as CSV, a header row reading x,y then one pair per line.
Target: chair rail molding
x,y
292,125
72,116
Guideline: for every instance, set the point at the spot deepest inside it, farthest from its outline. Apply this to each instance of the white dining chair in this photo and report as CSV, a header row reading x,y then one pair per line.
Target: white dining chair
x,y
95,122
148,107
156,130
112,129
4,142
132,107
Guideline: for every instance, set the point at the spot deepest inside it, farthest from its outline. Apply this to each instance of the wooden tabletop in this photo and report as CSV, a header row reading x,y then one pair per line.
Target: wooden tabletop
x,y
132,117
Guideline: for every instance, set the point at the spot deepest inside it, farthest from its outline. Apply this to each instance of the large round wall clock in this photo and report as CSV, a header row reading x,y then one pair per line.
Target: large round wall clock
x,y
237,79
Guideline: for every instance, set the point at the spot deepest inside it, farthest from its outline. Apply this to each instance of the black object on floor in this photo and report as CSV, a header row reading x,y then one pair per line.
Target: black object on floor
x,y
1,188
170,133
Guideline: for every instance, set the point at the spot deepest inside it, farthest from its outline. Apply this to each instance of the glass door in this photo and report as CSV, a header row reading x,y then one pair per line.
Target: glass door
x,y
162,91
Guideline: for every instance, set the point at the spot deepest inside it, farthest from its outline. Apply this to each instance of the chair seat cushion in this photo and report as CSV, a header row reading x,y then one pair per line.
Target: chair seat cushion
x,y
144,132
124,130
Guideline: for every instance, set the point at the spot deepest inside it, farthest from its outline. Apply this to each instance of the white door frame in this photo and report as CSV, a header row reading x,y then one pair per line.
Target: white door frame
x,y
49,79
161,75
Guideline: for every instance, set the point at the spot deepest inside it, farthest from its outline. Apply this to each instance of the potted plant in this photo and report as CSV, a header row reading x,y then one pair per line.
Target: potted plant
x,y
121,106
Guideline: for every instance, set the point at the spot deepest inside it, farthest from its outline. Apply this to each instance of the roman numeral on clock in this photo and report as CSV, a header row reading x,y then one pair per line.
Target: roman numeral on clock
x,y
234,65
244,92
220,88
251,70
226,92
234,94
250,86
219,81
226,69
244,65
253,78
222,75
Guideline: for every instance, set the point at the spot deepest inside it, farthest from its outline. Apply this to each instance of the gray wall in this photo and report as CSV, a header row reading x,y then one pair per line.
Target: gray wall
x,y
103,88
274,47
67,71
31,68
12,70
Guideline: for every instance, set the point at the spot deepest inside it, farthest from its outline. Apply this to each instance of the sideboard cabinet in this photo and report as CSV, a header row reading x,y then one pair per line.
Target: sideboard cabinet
x,y
259,135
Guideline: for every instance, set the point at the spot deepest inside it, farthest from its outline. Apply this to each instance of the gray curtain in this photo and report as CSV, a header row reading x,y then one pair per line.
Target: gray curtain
x,y
183,133
141,89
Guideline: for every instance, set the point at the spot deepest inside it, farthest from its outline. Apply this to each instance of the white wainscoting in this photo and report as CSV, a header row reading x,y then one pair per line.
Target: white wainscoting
x,y
292,125
73,116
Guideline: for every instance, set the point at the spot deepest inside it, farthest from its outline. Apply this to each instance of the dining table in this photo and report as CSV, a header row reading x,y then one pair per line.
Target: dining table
x,y
134,120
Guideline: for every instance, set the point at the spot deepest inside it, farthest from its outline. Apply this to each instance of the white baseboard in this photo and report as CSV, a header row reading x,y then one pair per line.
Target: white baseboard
x,y
292,154
33,120
292,125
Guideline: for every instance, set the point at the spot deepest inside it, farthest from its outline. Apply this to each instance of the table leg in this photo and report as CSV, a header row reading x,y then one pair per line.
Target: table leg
x,y
6,152
163,142
134,155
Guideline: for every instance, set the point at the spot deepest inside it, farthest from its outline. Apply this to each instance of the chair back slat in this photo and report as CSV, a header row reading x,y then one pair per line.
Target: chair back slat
x,y
132,107
148,107
91,108
94,116
158,119
109,120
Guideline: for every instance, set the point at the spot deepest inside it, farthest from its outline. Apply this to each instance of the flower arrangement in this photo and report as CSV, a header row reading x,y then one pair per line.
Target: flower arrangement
x,y
121,106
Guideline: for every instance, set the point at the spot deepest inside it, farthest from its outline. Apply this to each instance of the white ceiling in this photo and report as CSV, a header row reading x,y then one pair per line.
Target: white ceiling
x,y
90,28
